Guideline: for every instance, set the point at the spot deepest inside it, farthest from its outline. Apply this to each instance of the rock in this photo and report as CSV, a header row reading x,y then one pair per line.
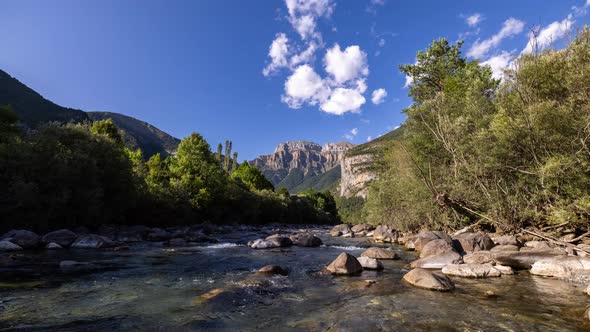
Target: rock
x,y
471,270
436,247
507,240
370,234
384,233
370,263
23,238
505,247
362,228
339,230
490,294
63,237
379,253
537,245
587,314
263,244
505,270
306,240
520,259
280,241
437,261
76,267
345,264
470,242
9,246
588,290
158,234
139,231
421,239
348,235
479,257
273,269
128,237
426,279
53,245
92,241
562,267
177,242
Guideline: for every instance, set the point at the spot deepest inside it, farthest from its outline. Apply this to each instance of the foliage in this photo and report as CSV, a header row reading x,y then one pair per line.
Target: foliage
x,y
350,209
251,177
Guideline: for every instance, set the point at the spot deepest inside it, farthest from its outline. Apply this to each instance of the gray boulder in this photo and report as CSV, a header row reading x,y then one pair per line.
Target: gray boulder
x,y
471,270
505,247
437,261
568,267
436,247
263,244
340,230
418,241
281,241
426,279
63,237
506,240
53,245
23,238
370,263
522,260
470,242
93,241
306,240
273,269
384,233
345,264
362,228
9,246
479,257
379,253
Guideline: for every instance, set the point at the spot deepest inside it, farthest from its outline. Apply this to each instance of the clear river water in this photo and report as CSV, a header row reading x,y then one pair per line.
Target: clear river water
x,y
213,287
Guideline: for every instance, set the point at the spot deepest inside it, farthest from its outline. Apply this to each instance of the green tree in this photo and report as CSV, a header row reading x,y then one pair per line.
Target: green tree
x,y
108,129
251,177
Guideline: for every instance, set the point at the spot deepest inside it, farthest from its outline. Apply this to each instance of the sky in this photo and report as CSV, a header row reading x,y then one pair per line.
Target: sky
x,y
260,72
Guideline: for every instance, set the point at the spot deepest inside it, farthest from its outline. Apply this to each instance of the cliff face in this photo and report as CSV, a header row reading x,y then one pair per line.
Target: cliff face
x,y
295,163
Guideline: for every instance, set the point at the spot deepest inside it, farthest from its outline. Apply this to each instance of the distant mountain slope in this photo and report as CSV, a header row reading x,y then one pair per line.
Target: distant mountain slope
x,y
140,134
301,165
33,110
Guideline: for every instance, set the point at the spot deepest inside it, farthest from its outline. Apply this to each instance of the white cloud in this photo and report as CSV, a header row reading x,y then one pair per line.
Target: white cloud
x,y
369,138
382,2
473,20
305,56
381,42
304,86
347,65
354,131
549,34
511,27
343,100
378,96
278,52
581,11
351,134
303,15
498,64
409,81
361,86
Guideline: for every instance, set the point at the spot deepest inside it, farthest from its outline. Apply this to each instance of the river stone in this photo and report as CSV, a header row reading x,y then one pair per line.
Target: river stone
x,y
281,241
569,267
345,264
437,261
479,257
53,245
426,279
273,269
522,260
9,246
380,253
362,228
93,241
23,238
384,233
421,239
471,270
370,263
505,247
505,270
63,237
537,245
263,244
588,290
506,240
471,242
339,230
436,247
306,240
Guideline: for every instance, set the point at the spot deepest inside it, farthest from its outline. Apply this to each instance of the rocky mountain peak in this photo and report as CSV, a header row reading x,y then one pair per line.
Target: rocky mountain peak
x,y
298,145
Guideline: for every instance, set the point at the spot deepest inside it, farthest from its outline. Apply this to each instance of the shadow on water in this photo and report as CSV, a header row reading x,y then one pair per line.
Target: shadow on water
x,y
213,287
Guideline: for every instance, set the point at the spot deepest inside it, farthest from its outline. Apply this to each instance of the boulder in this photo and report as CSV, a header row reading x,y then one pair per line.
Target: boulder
x,y
345,264
506,240
470,242
471,270
437,261
9,246
520,259
380,253
426,279
63,237
306,240
370,263
479,257
92,241
362,228
505,247
384,233
53,245
23,238
280,241
348,235
436,247
273,269
537,245
340,230
421,239
263,244
588,290
568,267
505,270
370,234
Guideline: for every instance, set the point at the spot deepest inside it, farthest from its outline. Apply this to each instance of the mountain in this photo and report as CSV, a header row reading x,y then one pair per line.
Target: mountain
x,y
34,110
301,165
360,164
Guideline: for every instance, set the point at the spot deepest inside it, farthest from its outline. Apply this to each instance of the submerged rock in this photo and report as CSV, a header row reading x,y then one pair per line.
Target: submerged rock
x,y
62,237
9,246
76,267
470,242
345,264
522,260
340,230
569,267
23,238
281,241
426,279
273,269
380,253
93,241
471,270
53,245
263,244
436,247
437,261
370,263
306,240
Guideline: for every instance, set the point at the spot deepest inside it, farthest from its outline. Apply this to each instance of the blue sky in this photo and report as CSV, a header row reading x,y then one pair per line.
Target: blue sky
x,y
258,72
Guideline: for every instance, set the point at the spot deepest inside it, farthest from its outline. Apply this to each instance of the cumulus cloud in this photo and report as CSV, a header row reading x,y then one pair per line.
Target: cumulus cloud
x,y
278,52
473,20
378,96
510,27
343,100
549,34
304,86
303,15
369,138
305,56
498,64
351,134
346,65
